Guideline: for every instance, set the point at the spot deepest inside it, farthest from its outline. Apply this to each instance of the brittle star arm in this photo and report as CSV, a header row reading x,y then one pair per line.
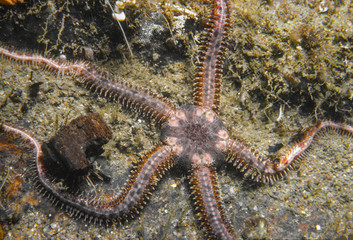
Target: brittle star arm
x,y
141,101
270,169
204,185
143,178
208,78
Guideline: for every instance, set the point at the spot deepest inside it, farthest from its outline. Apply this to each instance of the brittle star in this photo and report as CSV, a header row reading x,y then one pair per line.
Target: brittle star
x,y
191,135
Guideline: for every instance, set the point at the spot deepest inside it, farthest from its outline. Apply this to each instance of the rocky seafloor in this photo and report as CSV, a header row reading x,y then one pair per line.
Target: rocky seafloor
x,y
289,64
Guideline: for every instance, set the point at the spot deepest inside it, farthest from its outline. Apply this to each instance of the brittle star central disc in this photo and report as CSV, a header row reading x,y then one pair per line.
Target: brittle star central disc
x,y
196,134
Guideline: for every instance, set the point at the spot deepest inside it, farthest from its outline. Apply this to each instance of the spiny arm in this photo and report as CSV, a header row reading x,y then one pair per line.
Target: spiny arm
x,y
207,82
147,104
143,178
143,102
204,185
266,169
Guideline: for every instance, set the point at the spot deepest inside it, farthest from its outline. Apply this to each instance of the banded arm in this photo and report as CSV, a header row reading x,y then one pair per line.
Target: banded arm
x,y
204,185
25,136
270,169
145,103
143,178
208,78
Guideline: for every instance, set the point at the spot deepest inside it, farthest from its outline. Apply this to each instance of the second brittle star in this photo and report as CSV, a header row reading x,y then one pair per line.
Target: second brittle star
x,y
192,135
